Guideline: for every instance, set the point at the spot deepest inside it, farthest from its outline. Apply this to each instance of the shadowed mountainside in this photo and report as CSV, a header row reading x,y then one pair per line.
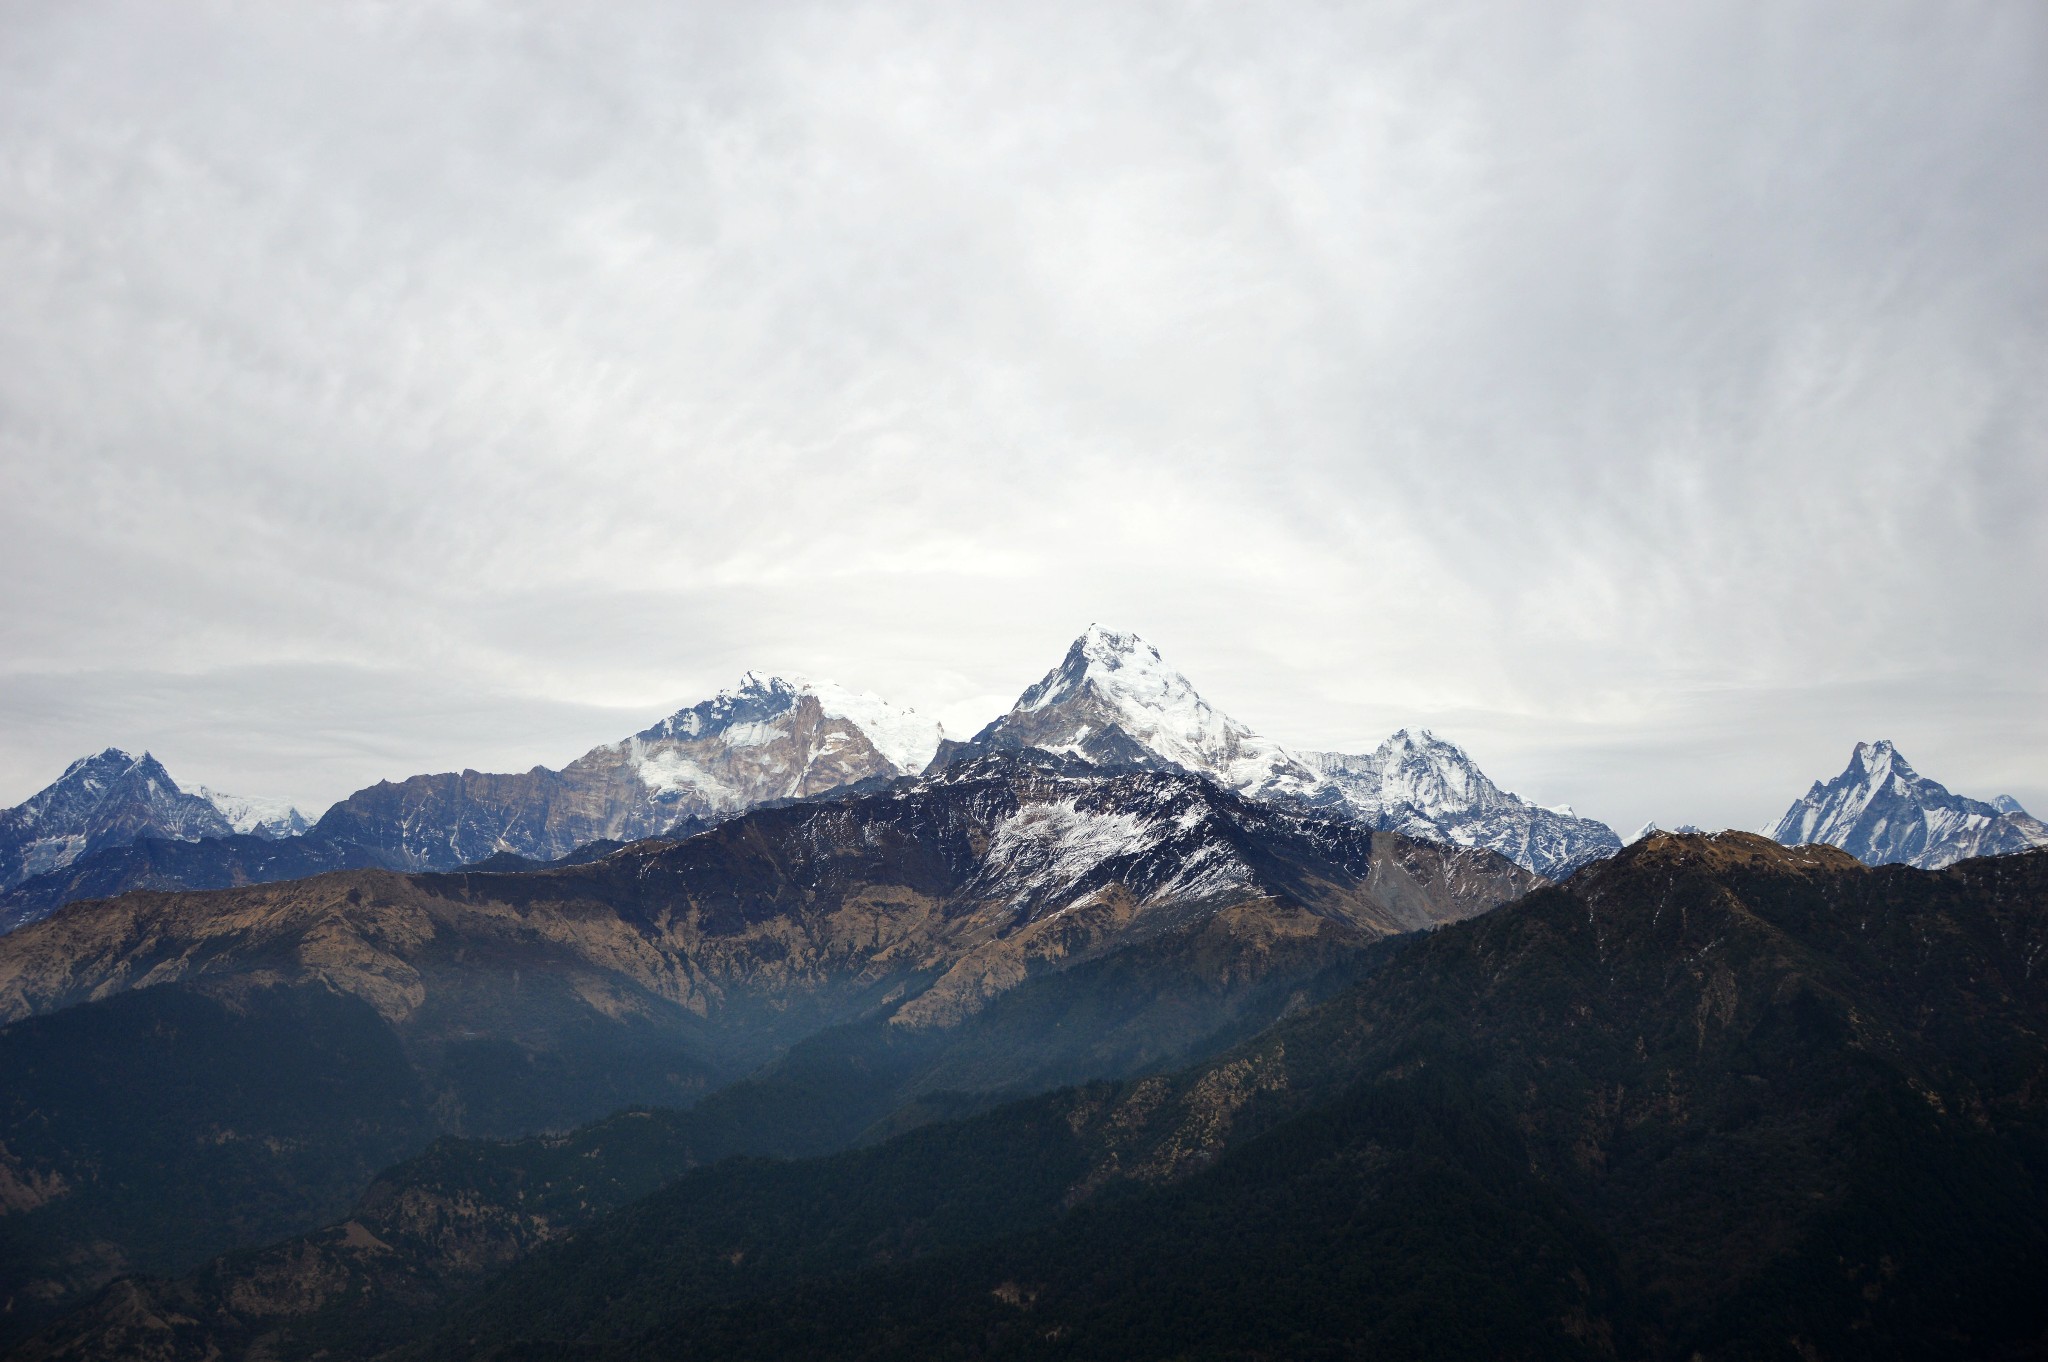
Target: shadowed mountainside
x,y
533,1001
1714,1098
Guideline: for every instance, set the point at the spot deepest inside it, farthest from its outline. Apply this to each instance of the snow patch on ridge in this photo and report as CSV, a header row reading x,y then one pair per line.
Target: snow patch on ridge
x,y
1043,845
1048,851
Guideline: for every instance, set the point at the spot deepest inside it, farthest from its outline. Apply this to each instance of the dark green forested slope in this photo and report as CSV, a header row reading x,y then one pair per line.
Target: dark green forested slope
x,y
148,1131
1714,1098
438,1223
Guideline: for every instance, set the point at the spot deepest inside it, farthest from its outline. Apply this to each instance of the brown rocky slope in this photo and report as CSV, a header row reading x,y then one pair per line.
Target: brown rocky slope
x,y
534,1001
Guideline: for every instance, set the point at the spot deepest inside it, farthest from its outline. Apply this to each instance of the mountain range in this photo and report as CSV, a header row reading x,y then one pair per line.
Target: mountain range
x,y
1712,1099
504,1003
113,823
1112,701
768,739
788,1026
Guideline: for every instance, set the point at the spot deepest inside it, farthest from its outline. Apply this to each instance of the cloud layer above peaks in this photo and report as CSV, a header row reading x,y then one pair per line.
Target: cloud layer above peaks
x,y
1647,397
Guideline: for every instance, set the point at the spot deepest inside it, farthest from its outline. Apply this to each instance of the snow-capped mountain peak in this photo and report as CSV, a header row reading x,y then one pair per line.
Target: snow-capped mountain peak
x,y
107,799
1113,699
903,737
768,738
1879,762
1426,786
1430,775
1880,810
1652,827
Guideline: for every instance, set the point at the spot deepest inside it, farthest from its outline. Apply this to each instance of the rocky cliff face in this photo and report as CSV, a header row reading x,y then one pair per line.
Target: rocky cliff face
x,y
769,738
1114,700
101,801
1881,811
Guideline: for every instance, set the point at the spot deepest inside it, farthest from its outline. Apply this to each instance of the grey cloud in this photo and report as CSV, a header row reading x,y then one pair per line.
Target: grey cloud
x,y
1597,383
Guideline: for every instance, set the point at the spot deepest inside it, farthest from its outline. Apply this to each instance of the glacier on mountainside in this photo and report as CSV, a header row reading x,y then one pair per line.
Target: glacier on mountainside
x,y
260,817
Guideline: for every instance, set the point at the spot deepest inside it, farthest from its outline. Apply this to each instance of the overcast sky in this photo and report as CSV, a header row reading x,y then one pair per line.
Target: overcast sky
x,y
1648,397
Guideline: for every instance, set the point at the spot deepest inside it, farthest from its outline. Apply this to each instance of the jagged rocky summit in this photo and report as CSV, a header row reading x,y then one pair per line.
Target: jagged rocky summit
x,y
108,799
1883,812
1115,700
769,738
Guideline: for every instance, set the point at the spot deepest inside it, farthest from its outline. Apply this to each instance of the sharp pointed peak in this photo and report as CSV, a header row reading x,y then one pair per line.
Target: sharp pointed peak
x,y
108,762
1879,757
1098,643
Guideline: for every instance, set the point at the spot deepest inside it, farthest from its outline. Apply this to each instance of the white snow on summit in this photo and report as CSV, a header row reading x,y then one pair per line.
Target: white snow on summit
x,y
752,714
1683,830
1881,811
1114,699
769,737
1422,785
905,737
